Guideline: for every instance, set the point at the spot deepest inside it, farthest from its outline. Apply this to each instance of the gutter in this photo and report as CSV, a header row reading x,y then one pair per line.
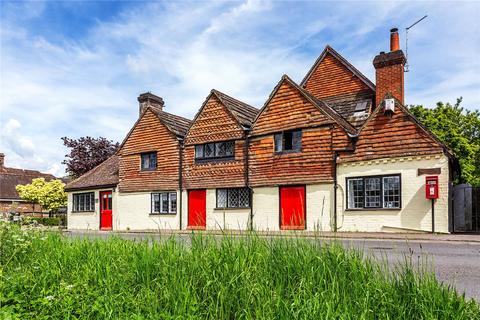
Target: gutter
x,y
246,174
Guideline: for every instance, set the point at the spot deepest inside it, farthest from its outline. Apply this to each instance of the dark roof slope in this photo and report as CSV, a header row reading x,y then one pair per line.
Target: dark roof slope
x,y
244,113
11,177
354,107
178,125
103,175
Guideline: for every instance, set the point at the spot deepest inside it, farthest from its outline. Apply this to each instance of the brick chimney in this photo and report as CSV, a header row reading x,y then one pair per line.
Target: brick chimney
x,y
2,160
149,99
389,72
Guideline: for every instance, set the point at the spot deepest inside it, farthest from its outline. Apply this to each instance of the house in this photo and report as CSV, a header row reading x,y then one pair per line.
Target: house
x,y
10,201
335,152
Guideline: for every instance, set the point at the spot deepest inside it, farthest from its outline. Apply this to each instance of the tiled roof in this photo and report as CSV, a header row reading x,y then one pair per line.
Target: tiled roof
x,y
348,105
11,177
103,175
178,125
244,113
344,61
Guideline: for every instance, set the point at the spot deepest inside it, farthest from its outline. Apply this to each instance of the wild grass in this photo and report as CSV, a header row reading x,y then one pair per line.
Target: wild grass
x,y
49,276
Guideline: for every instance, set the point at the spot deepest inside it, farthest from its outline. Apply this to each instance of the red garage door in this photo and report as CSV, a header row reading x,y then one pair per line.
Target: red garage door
x,y
292,208
197,209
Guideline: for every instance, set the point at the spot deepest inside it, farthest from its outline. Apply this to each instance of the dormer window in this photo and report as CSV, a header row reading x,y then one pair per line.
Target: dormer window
x,y
148,161
288,141
224,150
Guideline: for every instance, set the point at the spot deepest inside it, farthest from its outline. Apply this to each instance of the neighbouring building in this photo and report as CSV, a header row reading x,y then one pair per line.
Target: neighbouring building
x,y
10,201
335,152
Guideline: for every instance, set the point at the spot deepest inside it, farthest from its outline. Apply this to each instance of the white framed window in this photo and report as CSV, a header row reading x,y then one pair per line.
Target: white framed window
x,y
83,202
215,151
374,192
164,203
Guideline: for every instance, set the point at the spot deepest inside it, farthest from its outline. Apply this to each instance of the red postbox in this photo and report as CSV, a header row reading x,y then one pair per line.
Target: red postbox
x,y
431,187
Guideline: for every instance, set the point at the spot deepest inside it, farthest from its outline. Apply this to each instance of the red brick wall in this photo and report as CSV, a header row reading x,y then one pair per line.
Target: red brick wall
x,y
390,79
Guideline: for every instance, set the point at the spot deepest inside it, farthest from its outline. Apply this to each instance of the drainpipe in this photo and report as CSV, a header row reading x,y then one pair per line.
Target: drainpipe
x,y
247,181
335,187
180,178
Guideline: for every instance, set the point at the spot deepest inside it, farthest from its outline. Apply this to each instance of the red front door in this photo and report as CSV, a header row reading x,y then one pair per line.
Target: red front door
x,y
197,209
106,210
292,207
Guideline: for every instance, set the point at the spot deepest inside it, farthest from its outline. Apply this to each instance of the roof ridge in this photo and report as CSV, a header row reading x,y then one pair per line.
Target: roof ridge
x,y
235,99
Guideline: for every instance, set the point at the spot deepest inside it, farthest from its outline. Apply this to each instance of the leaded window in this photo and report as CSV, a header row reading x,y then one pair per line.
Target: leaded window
x,y
164,203
83,202
233,198
374,192
212,151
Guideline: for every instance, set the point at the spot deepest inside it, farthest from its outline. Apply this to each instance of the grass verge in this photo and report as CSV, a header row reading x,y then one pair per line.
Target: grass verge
x,y
47,276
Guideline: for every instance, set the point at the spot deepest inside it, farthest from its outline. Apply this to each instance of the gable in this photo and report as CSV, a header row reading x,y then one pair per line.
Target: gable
x,y
148,134
396,136
287,109
213,123
330,76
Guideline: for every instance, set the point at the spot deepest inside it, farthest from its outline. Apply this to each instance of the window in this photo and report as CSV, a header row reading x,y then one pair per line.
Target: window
x,y
83,202
288,141
233,198
216,150
149,161
164,203
374,192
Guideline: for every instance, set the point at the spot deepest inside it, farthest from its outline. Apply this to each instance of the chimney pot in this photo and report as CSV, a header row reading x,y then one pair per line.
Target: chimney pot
x,y
148,99
394,40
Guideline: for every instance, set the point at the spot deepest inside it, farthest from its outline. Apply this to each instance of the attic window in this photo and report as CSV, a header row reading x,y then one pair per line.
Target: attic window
x,y
149,161
288,141
361,106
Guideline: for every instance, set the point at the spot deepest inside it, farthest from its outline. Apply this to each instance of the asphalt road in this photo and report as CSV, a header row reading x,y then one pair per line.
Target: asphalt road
x,y
454,263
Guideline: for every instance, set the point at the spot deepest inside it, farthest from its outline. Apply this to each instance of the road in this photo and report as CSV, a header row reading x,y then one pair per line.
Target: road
x,y
454,263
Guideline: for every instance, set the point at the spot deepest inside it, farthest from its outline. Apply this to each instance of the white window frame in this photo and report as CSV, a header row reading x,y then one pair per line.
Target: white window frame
x,y
171,198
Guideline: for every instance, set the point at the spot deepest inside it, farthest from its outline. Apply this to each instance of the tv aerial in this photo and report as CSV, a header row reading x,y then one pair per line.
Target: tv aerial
x,y
406,67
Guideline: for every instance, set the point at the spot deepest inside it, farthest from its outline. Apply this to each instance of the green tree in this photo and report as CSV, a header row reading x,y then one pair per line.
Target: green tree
x,y
459,129
49,194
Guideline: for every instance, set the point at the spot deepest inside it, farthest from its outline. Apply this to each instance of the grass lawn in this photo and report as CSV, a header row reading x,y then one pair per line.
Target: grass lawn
x,y
48,276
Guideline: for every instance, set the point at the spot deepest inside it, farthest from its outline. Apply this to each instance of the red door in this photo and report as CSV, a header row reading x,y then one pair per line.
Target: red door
x,y
292,208
197,209
106,210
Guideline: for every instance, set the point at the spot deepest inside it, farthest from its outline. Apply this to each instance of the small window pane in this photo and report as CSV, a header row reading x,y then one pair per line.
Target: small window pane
x,y
355,193
173,202
244,197
149,160
220,149
209,150
230,148
278,142
164,202
391,192
297,140
221,198
199,151
287,140
372,192
155,202
233,200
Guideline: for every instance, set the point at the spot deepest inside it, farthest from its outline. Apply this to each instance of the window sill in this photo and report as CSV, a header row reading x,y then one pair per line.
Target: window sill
x,y
214,160
279,153
228,209
77,212
148,170
375,209
162,214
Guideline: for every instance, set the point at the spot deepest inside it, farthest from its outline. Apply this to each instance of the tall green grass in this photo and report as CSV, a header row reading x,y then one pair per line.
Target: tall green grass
x,y
48,276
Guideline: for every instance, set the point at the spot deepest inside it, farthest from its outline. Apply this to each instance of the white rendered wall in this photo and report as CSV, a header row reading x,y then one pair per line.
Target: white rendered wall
x,y
415,214
134,213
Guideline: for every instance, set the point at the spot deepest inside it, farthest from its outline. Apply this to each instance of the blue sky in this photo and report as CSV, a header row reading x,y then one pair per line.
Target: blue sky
x,y
75,68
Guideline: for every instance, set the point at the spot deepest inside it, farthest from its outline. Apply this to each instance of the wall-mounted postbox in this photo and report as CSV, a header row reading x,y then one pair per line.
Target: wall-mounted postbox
x,y
431,187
